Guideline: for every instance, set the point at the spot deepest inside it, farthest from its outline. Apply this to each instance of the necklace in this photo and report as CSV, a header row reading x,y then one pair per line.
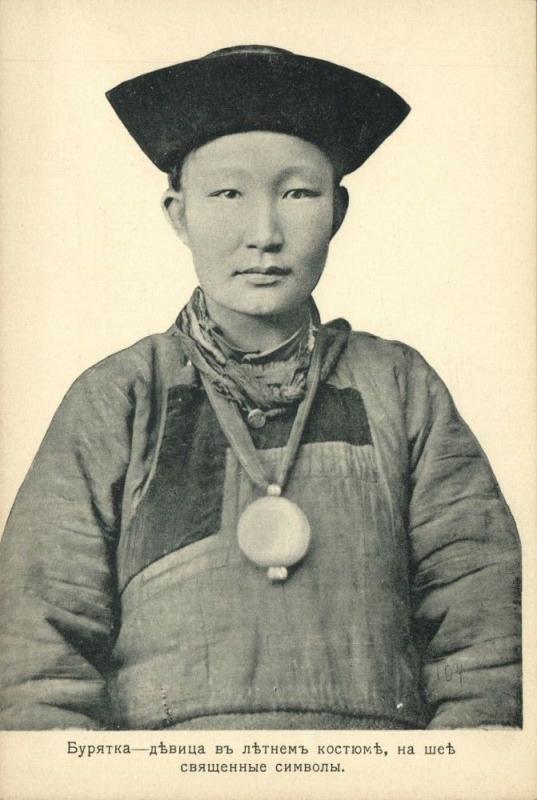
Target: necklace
x,y
272,532
263,385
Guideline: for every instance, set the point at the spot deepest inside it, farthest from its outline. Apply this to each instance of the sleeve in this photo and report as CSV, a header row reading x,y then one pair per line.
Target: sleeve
x,y
57,596
466,566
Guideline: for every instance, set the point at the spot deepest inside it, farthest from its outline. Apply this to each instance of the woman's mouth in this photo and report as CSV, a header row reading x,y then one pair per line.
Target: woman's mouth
x,y
264,276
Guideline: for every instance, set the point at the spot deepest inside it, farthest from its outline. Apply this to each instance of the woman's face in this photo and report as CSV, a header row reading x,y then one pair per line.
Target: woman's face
x,y
257,210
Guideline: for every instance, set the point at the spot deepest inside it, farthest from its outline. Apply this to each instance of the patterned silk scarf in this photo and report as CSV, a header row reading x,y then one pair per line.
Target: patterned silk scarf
x,y
270,381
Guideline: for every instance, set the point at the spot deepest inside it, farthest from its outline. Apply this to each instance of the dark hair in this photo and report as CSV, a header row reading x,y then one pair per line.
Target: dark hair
x,y
174,177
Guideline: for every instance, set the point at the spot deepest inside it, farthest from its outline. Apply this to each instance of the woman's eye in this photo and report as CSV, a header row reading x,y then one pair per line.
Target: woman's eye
x,y
300,194
226,194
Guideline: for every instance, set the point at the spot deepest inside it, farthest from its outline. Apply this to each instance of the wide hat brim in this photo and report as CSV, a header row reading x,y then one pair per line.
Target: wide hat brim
x,y
174,110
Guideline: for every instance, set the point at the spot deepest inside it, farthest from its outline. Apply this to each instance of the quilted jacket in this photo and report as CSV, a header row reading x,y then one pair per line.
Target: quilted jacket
x,y
126,601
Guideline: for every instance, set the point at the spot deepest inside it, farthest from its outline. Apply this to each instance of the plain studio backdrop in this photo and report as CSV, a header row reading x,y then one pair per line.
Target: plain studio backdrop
x,y
437,249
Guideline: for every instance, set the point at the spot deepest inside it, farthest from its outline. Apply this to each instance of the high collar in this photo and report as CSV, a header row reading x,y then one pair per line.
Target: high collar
x,y
278,353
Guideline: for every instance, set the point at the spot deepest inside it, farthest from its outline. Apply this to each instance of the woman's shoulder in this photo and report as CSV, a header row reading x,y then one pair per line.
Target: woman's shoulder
x,y
158,356
379,353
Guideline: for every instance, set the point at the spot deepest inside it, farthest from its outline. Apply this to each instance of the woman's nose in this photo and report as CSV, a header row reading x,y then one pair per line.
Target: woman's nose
x,y
263,230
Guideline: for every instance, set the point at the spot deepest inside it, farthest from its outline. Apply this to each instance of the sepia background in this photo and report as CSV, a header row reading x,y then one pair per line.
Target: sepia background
x,y
438,250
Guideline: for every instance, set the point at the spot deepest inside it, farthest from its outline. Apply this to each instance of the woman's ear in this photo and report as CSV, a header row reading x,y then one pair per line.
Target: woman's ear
x,y
341,204
173,206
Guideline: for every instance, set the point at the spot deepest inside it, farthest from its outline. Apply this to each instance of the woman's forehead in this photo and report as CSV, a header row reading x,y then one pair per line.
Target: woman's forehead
x,y
259,153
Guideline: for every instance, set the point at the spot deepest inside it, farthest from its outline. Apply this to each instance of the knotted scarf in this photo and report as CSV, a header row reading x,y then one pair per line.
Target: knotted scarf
x,y
271,381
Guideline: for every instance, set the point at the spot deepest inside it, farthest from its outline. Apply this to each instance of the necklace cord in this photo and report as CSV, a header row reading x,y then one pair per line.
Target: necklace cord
x,y
235,431
313,378
238,436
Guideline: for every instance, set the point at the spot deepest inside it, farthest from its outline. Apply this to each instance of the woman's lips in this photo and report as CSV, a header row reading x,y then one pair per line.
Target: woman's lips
x,y
259,276
262,278
272,270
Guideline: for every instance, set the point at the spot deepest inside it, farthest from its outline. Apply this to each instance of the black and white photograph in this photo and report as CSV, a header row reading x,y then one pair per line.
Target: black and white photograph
x,y
268,424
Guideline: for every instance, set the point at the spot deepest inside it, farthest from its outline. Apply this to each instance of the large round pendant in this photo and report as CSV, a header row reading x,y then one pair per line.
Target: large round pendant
x,y
274,532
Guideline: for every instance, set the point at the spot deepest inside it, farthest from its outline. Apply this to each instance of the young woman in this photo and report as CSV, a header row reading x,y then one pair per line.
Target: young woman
x,y
256,520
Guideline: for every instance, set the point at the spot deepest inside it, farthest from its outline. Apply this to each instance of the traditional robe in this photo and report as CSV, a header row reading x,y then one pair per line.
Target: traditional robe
x,y
126,601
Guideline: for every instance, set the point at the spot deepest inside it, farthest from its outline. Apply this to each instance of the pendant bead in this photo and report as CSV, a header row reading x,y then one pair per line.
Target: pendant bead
x,y
277,573
273,490
256,418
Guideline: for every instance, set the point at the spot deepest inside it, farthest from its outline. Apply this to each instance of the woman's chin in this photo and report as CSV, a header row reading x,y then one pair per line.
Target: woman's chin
x,y
267,301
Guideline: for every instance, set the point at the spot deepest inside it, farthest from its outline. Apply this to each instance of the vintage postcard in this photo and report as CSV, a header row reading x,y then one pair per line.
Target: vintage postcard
x,y
268,400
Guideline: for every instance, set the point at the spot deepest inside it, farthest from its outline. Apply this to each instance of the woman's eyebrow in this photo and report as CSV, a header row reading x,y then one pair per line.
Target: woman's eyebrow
x,y
300,171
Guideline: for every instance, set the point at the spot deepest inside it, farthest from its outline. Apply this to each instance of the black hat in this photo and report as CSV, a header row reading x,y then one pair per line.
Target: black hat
x,y
176,109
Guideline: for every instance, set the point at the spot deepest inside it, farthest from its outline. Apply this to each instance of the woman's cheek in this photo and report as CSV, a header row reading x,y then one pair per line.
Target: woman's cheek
x,y
312,244
312,221
216,233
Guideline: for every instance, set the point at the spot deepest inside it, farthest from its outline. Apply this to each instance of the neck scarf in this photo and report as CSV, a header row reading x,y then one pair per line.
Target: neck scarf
x,y
271,381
